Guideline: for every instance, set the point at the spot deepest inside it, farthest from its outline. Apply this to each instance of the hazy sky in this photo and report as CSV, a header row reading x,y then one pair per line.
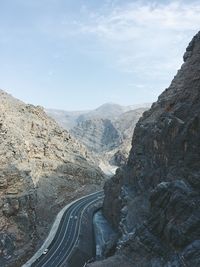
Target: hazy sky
x,y
78,54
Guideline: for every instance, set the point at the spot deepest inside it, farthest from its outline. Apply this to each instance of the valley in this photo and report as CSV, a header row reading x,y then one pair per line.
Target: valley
x,y
110,186
106,131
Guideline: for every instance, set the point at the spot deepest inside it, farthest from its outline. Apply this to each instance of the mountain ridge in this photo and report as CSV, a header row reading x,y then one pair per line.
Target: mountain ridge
x,y
69,119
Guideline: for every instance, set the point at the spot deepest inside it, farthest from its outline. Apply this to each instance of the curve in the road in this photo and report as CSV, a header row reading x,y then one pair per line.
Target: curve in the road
x,y
65,238
75,239
59,238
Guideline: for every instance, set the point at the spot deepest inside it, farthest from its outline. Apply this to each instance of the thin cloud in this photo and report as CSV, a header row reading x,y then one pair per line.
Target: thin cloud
x,y
139,42
144,36
128,22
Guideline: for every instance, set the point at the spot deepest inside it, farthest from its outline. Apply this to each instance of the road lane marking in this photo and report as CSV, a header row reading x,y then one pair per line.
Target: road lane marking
x,y
75,208
54,230
75,236
71,235
63,228
74,242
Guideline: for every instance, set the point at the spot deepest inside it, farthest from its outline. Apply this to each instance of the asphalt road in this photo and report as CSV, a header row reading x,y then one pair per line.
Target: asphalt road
x,y
67,235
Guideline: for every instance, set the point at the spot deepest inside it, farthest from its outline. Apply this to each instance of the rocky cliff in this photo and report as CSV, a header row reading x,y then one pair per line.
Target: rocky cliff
x,y
108,139
98,135
41,169
125,125
154,200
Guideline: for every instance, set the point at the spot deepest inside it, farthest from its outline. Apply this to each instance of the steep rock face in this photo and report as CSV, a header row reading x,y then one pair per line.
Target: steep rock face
x,y
98,134
154,200
106,131
125,125
41,168
108,139
126,122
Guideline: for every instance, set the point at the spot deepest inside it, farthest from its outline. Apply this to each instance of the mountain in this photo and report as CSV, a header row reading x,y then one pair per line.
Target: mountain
x,y
108,139
98,135
66,119
109,111
153,201
42,167
106,131
70,119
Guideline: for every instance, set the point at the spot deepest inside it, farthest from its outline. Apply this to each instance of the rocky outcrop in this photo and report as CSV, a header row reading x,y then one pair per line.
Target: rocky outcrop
x,y
18,202
125,125
120,156
154,200
42,167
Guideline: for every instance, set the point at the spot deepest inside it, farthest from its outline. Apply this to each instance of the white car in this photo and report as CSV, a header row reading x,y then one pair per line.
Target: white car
x,y
45,251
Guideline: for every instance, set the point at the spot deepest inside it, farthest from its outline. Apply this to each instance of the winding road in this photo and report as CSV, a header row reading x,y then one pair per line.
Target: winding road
x,y
67,234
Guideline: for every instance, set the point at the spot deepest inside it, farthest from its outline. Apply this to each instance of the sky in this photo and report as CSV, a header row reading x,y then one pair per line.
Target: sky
x,y
79,54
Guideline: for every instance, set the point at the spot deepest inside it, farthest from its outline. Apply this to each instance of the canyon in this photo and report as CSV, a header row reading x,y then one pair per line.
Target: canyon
x,y
151,204
105,131
44,166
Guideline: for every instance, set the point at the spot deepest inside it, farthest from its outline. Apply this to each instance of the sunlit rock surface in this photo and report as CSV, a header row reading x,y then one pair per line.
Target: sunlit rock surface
x,y
42,167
